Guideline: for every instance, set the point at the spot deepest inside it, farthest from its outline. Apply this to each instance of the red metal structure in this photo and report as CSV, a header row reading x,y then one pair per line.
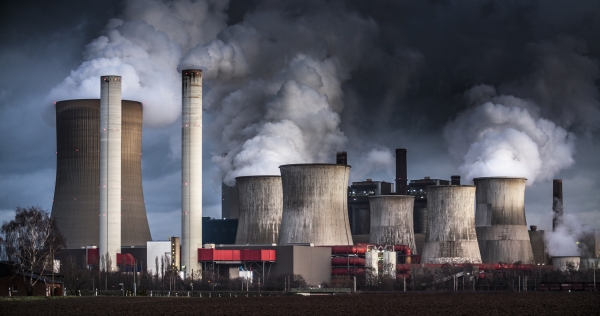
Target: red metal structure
x,y
254,255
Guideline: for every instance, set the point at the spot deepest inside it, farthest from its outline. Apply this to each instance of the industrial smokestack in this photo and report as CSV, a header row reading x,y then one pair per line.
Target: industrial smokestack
x,y
455,180
500,220
110,170
315,204
392,220
341,158
191,170
451,236
261,205
557,203
401,172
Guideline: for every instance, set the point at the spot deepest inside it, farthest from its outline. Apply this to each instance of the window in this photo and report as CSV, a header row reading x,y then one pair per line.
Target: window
x,y
15,288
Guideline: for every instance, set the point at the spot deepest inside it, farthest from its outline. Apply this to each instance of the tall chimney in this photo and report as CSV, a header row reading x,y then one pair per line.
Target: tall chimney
x,y
455,180
401,174
110,170
557,203
341,158
191,170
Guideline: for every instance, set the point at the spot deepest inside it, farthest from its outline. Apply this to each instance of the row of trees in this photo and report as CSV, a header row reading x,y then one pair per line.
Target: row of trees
x,y
29,243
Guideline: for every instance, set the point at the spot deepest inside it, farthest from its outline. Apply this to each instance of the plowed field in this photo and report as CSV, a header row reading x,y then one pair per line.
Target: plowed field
x,y
560,303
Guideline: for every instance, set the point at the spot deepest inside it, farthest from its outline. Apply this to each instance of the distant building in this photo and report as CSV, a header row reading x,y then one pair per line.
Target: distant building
x,y
230,203
219,231
359,213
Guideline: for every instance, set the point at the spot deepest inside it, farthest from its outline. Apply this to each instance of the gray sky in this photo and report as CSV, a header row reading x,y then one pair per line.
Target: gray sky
x,y
295,81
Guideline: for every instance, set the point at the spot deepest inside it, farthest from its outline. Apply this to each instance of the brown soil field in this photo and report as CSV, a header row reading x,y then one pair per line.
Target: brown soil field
x,y
559,303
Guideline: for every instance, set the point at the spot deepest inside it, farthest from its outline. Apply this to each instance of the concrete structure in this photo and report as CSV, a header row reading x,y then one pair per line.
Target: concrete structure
x,y
175,253
341,158
219,231
392,220
401,172
538,246
315,206
76,204
191,170
157,251
557,203
500,220
566,263
313,263
451,236
261,206
230,202
110,168
418,189
358,203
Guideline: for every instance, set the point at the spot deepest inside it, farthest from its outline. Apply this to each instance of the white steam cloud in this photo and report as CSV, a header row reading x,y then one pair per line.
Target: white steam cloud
x,y
568,239
503,136
145,47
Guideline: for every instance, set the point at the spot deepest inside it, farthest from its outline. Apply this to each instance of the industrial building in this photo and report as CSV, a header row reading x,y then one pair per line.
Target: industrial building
x,y
307,220
76,202
315,209
500,220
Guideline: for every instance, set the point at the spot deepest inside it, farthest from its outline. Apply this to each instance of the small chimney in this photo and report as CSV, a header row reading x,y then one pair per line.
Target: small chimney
x,y
533,228
401,172
341,158
455,180
557,203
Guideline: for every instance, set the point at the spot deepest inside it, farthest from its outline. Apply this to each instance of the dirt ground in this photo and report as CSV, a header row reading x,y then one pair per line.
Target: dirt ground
x,y
559,303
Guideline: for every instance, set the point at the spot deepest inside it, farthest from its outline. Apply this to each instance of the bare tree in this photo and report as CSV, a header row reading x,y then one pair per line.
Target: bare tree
x,y
30,242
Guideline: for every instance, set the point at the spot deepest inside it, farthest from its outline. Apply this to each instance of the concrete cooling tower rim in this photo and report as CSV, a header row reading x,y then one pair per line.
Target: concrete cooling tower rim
x,y
88,99
399,197
271,176
316,164
450,186
504,178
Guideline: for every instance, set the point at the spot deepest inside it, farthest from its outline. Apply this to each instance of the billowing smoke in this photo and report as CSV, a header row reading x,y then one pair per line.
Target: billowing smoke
x,y
145,47
503,136
274,84
376,159
570,238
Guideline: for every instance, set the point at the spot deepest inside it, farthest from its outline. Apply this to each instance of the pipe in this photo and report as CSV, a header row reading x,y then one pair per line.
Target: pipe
x,y
352,261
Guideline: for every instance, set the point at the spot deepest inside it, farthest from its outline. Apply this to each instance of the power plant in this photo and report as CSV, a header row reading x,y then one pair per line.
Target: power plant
x,y
451,236
500,220
308,220
261,206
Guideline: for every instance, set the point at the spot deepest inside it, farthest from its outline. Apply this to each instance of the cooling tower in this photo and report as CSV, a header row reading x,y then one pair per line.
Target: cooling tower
x,y
451,236
557,203
191,170
315,208
500,220
77,196
392,220
261,205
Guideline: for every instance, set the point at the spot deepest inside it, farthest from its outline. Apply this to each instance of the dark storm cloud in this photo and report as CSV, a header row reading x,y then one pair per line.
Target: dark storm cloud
x,y
384,74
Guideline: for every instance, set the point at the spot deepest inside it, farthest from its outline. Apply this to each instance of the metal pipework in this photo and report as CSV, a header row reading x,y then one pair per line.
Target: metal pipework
x,y
191,170
315,208
451,236
261,206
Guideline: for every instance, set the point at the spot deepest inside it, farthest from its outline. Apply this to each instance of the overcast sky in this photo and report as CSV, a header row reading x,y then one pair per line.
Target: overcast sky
x,y
483,88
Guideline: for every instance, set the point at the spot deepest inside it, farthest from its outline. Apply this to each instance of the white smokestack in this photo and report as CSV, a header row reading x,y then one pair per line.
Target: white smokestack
x,y
191,170
110,169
